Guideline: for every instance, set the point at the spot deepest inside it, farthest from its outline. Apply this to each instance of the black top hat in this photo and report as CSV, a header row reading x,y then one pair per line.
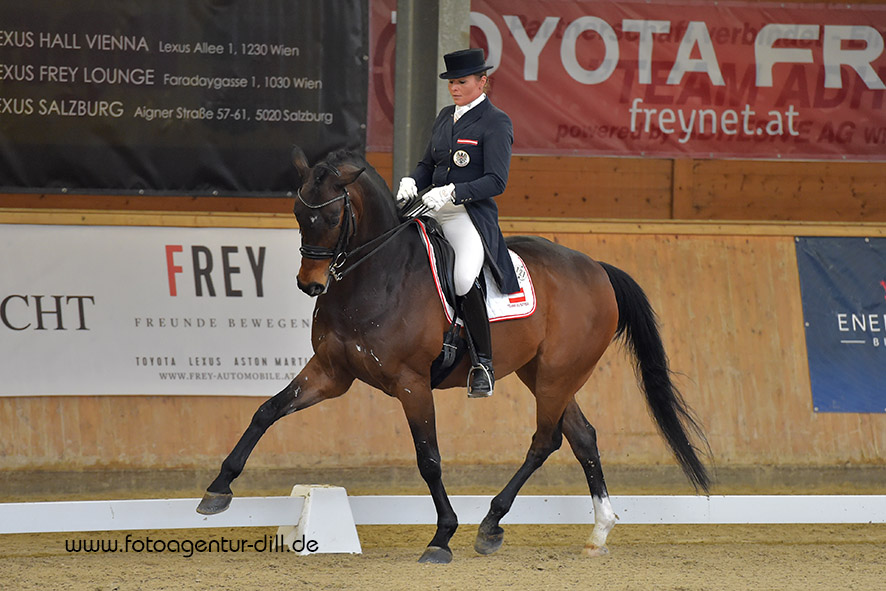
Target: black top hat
x,y
464,62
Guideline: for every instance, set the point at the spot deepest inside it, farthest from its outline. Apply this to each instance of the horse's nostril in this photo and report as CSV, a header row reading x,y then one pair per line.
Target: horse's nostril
x,y
312,289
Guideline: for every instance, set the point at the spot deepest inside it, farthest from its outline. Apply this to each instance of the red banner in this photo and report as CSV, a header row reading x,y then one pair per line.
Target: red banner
x,y
666,79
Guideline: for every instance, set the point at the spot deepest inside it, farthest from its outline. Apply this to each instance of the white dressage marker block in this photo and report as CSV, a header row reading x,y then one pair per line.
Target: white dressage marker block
x,y
326,525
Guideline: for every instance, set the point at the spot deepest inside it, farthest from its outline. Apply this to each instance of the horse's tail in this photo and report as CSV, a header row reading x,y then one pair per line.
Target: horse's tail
x,y
638,328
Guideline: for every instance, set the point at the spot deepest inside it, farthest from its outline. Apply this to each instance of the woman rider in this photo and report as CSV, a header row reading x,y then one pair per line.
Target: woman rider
x,y
466,165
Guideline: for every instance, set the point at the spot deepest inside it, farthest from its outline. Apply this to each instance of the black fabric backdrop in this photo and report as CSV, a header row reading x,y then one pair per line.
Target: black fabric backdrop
x,y
136,96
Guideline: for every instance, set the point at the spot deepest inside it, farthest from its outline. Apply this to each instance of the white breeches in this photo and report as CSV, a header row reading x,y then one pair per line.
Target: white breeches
x,y
461,233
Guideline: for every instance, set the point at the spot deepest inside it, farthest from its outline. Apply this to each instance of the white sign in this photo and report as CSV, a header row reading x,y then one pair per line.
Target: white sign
x,y
88,310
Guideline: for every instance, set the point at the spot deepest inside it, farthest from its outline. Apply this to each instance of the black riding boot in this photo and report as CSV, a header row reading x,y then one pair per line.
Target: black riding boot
x,y
473,310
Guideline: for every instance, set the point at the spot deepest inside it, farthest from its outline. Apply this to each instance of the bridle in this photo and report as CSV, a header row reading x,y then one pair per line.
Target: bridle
x,y
349,227
340,254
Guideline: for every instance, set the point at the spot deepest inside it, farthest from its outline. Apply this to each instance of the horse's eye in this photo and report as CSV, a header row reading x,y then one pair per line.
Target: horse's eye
x,y
334,220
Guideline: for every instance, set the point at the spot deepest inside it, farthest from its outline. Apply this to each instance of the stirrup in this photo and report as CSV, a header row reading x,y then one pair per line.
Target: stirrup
x,y
490,379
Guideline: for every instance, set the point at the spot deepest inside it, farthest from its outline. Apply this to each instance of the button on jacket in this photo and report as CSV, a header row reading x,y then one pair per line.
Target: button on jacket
x,y
474,154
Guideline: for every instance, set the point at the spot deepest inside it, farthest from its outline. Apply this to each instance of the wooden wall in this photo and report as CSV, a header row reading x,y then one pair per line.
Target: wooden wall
x,y
607,188
729,302
626,188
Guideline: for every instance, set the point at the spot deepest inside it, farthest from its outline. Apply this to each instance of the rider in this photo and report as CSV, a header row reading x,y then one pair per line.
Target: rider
x,y
466,163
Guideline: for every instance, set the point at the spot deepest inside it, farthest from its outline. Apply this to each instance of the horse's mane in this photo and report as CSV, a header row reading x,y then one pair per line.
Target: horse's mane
x,y
370,176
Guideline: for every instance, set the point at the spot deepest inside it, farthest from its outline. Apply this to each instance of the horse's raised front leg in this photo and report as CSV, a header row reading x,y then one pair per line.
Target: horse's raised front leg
x,y
418,404
582,437
313,384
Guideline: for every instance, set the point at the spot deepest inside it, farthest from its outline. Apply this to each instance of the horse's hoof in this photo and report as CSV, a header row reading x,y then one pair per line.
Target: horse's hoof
x,y
436,555
213,503
488,543
593,551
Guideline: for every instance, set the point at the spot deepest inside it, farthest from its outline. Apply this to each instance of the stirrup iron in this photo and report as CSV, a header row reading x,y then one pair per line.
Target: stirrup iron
x,y
490,379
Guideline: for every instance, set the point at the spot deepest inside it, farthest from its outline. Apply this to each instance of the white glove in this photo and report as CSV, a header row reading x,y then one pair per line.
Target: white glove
x,y
407,190
439,196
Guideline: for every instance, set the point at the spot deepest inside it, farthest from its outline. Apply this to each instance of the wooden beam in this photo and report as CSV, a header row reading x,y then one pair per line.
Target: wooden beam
x,y
510,225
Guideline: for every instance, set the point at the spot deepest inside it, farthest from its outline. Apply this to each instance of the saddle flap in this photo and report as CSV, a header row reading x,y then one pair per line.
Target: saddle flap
x,y
442,258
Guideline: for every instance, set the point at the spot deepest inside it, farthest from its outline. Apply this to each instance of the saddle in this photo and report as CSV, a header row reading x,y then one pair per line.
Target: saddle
x,y
499,306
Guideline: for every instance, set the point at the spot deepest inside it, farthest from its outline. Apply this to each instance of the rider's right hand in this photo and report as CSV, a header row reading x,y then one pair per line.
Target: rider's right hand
x,y
407,190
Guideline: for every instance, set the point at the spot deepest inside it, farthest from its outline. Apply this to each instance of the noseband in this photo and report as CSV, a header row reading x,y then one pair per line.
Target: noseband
x,y
348,229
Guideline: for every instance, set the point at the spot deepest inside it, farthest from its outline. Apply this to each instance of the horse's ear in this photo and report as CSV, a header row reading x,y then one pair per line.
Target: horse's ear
x,y
300,161
349,173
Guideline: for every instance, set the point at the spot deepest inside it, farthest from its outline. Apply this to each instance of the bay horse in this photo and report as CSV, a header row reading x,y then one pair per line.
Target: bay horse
x,y
379,320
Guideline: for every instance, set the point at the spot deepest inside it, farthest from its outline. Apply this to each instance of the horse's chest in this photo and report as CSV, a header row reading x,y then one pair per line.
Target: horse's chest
x,y
361,345
368,320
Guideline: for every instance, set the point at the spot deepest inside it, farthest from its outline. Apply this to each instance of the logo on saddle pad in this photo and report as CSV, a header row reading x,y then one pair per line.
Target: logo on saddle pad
x,y
517,298
499,306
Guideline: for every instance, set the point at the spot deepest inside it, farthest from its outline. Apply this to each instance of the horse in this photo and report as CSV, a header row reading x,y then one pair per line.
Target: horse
x,y
378,319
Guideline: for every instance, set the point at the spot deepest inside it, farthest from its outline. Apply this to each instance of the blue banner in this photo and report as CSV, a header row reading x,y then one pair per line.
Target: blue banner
x,y
843,286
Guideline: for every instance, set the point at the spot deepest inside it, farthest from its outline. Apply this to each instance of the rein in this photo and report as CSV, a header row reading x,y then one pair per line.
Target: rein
x,y
339,254
371,247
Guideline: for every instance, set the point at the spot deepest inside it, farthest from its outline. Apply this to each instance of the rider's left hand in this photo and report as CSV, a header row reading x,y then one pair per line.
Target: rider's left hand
x,y
439,196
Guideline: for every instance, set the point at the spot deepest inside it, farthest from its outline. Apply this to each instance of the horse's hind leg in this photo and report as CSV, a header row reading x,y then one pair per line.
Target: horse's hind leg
x,y
490,535
546,440
583,439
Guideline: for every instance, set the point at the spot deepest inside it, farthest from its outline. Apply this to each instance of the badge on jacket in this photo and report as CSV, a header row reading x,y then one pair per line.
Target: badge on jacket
x,y
461,158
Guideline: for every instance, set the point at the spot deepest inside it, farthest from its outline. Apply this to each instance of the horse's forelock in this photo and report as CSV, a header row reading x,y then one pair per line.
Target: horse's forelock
x,y
339,157
321,171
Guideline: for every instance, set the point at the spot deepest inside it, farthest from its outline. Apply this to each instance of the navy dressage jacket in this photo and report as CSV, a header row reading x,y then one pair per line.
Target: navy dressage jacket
x,y
475,155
